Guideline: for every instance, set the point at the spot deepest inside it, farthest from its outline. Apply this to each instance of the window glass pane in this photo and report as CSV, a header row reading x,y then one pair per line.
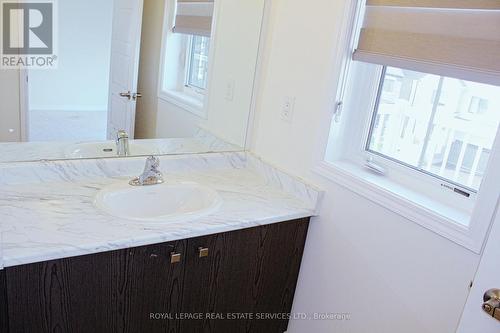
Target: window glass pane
x,y
198,63
439,125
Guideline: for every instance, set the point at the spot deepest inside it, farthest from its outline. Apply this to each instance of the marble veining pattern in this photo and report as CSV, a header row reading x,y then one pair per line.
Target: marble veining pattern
x,y
202,142
47,209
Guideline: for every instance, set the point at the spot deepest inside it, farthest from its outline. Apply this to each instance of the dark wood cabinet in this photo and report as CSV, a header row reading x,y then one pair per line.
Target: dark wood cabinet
x,y
4,322
247,275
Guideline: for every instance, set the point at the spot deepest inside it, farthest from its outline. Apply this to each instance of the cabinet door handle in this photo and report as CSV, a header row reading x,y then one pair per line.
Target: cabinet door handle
x,y
175,258
203,252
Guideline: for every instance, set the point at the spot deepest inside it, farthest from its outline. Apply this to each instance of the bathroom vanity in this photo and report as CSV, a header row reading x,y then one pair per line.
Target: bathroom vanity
x,y
216,283
223,260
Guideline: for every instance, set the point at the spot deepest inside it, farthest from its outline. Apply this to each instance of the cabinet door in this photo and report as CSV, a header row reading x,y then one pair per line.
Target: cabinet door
x,y
151,290
4,327
106,292
246,275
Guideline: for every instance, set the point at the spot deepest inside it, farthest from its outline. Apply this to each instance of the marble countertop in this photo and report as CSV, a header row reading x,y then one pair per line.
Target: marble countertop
x,y
201,142
47,210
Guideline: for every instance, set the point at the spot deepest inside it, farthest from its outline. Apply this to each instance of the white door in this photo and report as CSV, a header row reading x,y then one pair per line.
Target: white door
x,y
474,318
125,51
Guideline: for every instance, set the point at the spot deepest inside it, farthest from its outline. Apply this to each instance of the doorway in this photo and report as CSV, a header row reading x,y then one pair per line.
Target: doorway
x,y
70,103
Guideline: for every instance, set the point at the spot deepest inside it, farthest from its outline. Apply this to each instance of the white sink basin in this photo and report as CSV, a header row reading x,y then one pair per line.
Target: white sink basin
x,y
158,203
102,149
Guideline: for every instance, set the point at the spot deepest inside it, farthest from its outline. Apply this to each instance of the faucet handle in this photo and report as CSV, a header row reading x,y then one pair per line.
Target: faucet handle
x,y
121,134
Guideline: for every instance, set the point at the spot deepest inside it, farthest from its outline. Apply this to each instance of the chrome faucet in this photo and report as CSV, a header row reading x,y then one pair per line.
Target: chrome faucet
x,y
151,174
122,147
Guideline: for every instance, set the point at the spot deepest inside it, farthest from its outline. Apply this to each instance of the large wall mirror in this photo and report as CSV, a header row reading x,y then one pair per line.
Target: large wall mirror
x,y
135,77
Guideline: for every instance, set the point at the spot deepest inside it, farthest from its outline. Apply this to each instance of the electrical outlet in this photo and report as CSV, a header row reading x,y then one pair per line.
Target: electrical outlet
x,y
287,109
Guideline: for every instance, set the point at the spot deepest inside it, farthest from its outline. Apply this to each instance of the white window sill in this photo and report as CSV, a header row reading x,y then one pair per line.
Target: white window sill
x,y
444,220
184,101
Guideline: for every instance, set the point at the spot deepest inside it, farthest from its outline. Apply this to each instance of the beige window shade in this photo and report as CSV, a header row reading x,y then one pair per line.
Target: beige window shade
x,y
457,38
194,17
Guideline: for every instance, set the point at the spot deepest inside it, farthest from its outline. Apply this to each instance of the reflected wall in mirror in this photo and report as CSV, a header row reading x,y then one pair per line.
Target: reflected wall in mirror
x,y
135,77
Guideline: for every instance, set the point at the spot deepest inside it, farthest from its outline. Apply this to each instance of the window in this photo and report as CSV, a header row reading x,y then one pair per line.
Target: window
x,y
423,126
184,77
197,69
187,38
478,105
415,127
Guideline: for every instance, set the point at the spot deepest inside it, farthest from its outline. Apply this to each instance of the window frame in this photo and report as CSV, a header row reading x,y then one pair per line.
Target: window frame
x,y
346,166
172,79
371,153
357,124
189,88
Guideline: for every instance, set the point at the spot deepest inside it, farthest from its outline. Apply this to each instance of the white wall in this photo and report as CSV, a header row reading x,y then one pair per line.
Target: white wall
x,y
390,274
235,59
10,124
9,106
175,122
81,81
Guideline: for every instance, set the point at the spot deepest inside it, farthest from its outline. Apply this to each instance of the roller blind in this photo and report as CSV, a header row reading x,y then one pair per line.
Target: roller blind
x,y
457,38
194,17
